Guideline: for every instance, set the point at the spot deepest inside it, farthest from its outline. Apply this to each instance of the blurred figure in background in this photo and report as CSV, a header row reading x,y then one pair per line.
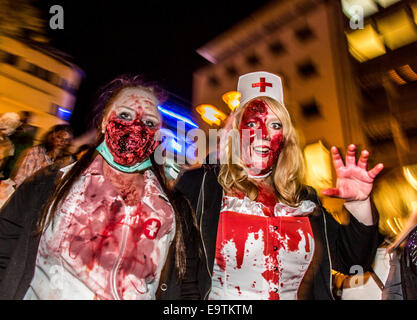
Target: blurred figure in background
x,y
394,273
403,274
8,124
22,139
53,147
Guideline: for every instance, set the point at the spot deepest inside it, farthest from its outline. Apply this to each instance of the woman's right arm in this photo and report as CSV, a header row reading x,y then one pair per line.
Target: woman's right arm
x,y
21,211
12,221
25,166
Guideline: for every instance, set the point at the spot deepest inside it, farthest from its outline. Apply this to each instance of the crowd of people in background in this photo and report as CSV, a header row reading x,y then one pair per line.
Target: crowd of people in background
x,y
21,155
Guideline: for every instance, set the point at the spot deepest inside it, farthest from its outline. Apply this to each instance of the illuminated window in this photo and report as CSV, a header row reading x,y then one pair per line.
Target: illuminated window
x,y
210,114
386,3
252,60
413,7
310,109
36,71
365,44
351,7
231,71
307,69
304,34
213,81
277,48
408,73
397,29
9,58
232,99
396,77
318,166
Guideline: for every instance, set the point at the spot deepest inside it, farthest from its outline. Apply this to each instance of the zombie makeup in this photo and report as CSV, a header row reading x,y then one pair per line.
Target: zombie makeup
x,y
262,138
129,142
62,139
131,127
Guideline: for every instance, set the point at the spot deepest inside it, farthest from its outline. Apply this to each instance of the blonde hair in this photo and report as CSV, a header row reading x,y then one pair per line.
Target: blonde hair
x,y
287,173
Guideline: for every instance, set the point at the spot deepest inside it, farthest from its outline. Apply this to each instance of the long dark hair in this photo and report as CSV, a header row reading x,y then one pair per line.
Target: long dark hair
x,y
105,97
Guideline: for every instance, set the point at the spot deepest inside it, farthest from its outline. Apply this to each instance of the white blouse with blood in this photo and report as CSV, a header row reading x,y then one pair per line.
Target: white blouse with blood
x,y
258,256
100,248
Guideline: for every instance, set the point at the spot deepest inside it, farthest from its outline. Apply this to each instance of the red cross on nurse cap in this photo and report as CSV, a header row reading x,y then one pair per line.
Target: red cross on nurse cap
x,y
258,84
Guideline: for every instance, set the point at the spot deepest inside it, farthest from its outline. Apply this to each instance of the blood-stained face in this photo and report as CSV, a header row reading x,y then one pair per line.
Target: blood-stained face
x,y
262,137
130,126
61,139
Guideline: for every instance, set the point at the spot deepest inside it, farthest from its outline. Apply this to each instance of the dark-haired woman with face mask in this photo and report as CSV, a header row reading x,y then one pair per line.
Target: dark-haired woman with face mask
x,y
106,227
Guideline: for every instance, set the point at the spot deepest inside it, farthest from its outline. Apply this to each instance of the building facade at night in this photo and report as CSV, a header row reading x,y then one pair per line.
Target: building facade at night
x,y
294,39
36,78
385,69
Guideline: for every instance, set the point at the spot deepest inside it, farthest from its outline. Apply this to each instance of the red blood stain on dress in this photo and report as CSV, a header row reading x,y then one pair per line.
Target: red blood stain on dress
x,y
279,233
102,239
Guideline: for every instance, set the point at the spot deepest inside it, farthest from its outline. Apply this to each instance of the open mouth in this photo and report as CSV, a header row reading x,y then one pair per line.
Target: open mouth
x,y
264,150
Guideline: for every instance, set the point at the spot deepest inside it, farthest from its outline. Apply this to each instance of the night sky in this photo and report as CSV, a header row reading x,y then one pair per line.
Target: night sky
x,y
154,38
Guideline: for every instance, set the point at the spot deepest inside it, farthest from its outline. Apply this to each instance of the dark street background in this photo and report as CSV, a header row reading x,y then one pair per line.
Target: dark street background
x,y
154,38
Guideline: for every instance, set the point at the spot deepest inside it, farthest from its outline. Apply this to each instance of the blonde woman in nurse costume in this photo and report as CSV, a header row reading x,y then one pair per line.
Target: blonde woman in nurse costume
x,y
264,234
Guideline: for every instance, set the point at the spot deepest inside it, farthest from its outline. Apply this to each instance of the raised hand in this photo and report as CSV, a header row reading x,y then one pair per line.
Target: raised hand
x,y
354,182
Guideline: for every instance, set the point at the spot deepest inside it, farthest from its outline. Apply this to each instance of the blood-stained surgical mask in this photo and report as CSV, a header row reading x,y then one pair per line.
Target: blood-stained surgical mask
x,y
130,142
262,138
131,127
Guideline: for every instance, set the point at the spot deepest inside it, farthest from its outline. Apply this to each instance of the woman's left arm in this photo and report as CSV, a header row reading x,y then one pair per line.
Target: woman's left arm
x,y
354,183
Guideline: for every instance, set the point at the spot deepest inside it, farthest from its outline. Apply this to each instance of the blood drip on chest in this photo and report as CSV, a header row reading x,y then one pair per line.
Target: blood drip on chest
x,y
236,228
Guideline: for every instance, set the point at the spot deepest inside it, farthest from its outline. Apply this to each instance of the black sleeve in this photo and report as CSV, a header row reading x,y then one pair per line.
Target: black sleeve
x,y
189,284
12,221
189,184
21,210
353,244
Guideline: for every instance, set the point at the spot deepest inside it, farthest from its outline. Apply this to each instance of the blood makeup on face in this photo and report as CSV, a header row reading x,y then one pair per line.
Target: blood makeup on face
x,y
262,137
131,127
130,142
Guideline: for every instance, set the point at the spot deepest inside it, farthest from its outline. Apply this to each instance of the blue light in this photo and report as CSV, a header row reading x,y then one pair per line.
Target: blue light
x,y
177,116
64,114
176,146
64,110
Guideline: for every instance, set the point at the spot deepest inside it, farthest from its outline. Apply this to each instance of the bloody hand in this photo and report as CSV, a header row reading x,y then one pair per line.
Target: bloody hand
x,y
354,182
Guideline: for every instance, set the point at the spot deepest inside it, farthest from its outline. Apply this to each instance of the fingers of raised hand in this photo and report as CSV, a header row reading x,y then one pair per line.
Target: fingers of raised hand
x,y
363,159
337,159
351,155
331,192
375,170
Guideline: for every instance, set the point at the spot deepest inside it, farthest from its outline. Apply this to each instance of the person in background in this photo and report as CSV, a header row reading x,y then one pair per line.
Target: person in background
x,y
402,278
264,234
53,147
8,123
22,139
